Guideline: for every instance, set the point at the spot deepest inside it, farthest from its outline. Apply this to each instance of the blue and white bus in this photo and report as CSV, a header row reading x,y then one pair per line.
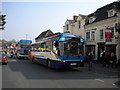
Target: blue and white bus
x,y
58,51
23,47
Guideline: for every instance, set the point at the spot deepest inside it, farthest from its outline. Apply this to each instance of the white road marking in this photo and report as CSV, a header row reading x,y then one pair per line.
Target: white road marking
x,y
12,61
99,80
113,84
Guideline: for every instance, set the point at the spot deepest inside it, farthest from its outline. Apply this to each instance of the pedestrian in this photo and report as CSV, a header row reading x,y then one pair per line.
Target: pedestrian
x,y
102,55
103,58
90,60
107,59
113,59
11,54
6,52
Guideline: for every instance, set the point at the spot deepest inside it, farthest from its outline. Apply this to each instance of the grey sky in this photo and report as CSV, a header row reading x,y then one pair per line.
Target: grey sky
x,y
32,18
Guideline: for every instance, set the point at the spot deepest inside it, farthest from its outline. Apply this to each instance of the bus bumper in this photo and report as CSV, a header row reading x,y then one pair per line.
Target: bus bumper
x,y
23,56
68,64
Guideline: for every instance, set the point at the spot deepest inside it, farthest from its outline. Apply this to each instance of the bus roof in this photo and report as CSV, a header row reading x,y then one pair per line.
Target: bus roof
x,y
25,40
59,37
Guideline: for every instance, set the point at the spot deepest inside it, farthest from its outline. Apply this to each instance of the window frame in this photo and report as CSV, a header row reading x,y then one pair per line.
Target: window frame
x,y
111,13
92,19
87,39
102,34
91,36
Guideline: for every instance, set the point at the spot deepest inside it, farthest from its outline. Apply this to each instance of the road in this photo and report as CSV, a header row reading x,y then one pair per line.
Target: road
x,y
24,74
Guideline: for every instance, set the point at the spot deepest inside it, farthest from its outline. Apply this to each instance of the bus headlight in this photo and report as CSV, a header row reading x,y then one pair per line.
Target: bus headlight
x,y
81,60
63,60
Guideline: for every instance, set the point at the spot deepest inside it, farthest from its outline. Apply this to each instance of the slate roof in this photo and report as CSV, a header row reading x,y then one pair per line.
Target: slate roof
x,y
102,14
43,34
71,21
82,15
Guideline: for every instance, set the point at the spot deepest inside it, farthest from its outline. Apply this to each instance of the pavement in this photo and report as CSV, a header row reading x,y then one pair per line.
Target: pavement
x,y
97,66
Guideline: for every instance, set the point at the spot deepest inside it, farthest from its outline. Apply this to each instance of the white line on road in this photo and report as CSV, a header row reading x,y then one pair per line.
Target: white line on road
x,y
113,84
99,80
12,60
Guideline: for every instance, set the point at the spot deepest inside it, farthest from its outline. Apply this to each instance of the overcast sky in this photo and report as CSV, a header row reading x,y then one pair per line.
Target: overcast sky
x,y
31,18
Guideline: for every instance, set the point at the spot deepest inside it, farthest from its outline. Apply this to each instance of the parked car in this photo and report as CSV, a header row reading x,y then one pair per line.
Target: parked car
x,y
3,58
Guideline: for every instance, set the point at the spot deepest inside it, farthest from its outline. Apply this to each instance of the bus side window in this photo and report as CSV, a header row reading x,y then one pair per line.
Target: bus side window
x,y
44,51
39,50
48,51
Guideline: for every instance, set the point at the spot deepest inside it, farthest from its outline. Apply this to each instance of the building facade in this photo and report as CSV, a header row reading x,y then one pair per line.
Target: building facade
x,y
98,29
75,26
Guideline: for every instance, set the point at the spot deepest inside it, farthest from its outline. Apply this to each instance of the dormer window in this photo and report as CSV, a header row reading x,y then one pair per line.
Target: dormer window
x,y
111,13
91,19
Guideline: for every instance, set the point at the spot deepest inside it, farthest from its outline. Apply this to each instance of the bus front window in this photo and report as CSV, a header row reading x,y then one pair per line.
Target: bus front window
x,y
71,49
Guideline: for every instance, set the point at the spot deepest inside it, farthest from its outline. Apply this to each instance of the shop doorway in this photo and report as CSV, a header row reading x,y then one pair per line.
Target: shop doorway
x,y
101,48
110,49
89,48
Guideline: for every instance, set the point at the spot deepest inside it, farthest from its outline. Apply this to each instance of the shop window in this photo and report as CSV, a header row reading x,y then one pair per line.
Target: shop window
x,y
108,40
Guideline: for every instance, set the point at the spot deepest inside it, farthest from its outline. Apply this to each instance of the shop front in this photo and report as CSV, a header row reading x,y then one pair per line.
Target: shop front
x,y
111,48
89,48
101,48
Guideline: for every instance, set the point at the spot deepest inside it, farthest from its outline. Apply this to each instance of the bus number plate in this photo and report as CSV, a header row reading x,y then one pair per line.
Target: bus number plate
x,y
73,63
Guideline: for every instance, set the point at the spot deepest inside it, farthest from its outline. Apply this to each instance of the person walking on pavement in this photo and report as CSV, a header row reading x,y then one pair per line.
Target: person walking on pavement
x,y
103,58
107,59
114,59
11,54
90,60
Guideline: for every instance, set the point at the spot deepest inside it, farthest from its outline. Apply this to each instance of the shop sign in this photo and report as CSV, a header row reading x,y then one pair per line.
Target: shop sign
x,y
108,33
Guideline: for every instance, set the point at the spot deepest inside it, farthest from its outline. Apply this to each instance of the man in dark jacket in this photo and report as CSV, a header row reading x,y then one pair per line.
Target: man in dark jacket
x,y
114,59
90,60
